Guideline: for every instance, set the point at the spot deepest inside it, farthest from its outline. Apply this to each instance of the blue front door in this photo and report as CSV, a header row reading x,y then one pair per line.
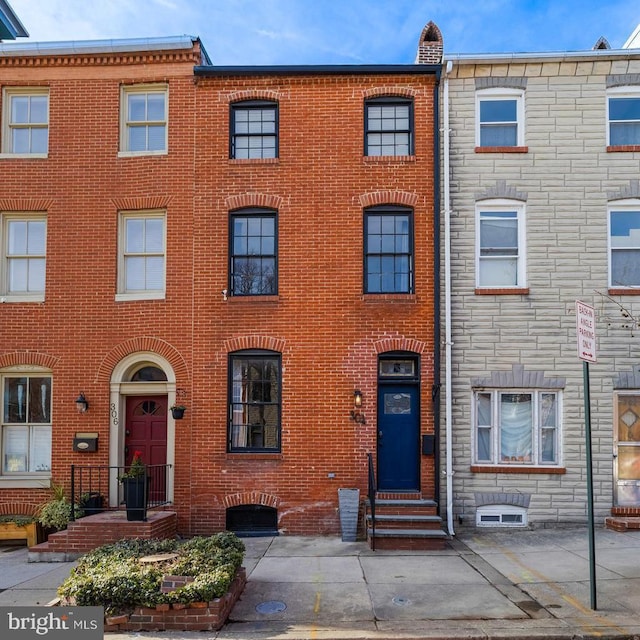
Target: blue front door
x,y
398,438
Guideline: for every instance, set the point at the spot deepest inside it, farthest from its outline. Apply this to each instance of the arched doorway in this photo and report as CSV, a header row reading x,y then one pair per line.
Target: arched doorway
x,y
142,387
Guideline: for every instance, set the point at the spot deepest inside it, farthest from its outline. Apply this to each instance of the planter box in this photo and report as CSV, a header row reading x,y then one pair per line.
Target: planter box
x,y
12,531
196,616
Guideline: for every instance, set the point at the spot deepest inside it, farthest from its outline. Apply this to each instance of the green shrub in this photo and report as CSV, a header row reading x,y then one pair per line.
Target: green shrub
x,y
111,576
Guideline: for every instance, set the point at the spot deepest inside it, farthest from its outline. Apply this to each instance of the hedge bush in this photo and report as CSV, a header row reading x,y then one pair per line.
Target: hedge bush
x,y
112,576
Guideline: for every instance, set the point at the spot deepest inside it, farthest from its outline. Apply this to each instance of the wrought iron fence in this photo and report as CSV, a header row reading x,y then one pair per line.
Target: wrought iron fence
x,y
97,488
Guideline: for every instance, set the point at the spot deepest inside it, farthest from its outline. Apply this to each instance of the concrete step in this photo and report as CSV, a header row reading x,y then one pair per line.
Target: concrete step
x,y
408,539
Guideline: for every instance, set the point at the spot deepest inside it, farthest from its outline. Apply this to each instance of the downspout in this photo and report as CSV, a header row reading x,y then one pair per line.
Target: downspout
x,y
446,133
437,322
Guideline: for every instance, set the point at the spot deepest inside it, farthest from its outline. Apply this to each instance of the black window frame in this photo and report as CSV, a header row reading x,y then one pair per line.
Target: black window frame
x,y
388,210
389,101
252,213
253,105
250,405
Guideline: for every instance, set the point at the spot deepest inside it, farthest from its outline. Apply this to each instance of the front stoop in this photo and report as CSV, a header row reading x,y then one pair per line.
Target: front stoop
x,y
406,522
91,532
623,519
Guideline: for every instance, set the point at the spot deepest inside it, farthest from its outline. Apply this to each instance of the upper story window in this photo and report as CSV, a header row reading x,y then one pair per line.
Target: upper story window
x,y
25,441
624,244
500,244
500,118
623,108
253,259
144,117
25,119
23,241
388,250
254,130
141,255
254,401
517,427
388,127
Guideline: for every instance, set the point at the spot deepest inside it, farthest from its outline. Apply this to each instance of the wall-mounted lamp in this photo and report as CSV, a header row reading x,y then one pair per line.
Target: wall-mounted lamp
x,y
82,404
224,294
357,403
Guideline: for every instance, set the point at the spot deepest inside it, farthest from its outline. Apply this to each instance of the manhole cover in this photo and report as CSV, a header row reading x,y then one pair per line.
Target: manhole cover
x,y
271,606
401,601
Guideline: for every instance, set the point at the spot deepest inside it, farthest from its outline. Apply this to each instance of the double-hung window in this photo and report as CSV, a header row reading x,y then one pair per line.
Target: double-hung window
x,y
253,259
254,401
623,108
254,130
144,118
25,121
23,241
517,427
26,423
500,244
624,244
141,255
388,127
500,118
388,250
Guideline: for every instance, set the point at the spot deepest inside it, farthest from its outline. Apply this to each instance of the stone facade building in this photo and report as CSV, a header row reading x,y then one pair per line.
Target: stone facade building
x,y
542,207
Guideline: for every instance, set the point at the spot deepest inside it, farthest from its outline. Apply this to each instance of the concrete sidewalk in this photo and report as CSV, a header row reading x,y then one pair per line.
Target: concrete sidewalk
x,y
486,584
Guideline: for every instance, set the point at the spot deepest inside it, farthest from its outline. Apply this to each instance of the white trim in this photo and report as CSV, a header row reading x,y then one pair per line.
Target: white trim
x,y
152,294
503,93
627,91
142,89
7,94
503,205
494,516
120,389
623,205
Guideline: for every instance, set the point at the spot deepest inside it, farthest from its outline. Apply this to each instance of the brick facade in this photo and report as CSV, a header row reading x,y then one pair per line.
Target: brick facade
x,y
328,333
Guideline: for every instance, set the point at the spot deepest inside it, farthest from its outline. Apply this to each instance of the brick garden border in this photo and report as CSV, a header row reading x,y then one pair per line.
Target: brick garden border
x,y
196,616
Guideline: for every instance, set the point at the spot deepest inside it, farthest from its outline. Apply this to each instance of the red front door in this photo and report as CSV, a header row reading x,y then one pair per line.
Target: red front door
x,y
146,432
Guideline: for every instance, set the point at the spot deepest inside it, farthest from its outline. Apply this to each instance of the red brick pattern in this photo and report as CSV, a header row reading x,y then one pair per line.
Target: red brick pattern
x,y
328,332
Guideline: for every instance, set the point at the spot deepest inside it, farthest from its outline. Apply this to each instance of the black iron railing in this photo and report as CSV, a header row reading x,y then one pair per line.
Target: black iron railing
x,y
372,500
93,487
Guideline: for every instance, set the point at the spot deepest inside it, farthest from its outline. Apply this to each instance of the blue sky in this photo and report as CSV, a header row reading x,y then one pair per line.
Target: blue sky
x,y
256,32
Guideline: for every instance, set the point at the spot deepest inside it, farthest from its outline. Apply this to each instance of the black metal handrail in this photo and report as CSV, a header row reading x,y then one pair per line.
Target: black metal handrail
x,y
372,490
91,487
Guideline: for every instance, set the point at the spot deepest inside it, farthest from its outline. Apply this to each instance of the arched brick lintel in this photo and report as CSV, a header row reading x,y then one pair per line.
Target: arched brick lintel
x,y
399,344
252,94
253,199
251,497
141,344
388,196
390,90
241,343
15,358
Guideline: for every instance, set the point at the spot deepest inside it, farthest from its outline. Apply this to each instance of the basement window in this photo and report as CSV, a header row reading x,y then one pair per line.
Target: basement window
x,y
501,515
252,520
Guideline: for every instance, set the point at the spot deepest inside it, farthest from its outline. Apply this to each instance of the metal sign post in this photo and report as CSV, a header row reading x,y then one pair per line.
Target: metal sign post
x,y
586,333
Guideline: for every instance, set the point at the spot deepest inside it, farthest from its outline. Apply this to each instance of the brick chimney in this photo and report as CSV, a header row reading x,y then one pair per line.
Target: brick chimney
x,y
430,45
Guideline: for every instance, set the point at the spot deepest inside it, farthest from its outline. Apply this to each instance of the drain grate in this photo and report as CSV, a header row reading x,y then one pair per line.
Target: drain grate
x,y
271,606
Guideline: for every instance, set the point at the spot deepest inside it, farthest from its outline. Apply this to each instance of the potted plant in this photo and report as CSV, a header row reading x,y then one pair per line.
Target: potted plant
x,y
135,483
177,411
92,502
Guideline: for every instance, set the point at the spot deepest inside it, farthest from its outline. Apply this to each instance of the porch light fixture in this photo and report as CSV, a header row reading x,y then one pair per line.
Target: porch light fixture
x,y
82,404
356,416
